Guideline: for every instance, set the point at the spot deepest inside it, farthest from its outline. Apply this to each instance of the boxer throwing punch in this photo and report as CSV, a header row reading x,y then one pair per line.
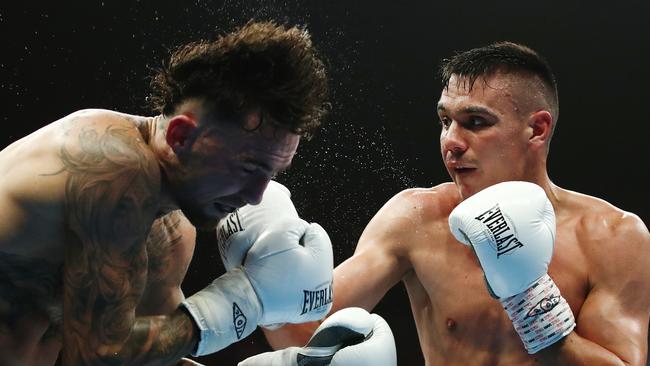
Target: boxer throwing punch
x,y
582,298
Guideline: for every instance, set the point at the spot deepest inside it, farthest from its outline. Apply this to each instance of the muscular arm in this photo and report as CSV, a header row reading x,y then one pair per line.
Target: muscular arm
x,y
170,246
111,198
612,327
378,263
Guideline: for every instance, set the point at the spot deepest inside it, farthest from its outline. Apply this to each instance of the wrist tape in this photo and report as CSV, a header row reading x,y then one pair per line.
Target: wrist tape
x,y
540,315
225,312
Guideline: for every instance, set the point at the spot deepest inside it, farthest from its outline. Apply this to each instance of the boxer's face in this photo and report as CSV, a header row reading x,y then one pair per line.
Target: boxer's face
x,y
229,167
484,137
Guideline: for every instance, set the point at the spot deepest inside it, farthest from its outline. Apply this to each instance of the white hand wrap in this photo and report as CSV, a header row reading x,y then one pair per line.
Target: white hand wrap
x,y
540,315
225,311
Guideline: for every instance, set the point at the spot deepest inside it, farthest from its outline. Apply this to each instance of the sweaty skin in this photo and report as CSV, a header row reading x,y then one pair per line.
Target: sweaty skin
x,y
601,259
93,248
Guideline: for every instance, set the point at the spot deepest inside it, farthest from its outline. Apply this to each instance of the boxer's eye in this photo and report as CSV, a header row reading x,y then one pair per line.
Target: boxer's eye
x,y
476,122
444,122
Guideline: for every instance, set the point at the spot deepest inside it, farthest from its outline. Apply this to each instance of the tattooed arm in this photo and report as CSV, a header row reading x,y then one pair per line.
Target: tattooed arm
x,y
170,246
111,197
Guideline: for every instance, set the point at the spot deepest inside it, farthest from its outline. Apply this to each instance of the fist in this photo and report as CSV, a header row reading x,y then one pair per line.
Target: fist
x,y
511,227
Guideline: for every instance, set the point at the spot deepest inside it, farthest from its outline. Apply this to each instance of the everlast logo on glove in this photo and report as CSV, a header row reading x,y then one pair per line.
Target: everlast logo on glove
x,y
228,226
503,236
315,300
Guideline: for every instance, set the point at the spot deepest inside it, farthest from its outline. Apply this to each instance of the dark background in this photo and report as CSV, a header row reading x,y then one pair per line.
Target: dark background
x,y
382,135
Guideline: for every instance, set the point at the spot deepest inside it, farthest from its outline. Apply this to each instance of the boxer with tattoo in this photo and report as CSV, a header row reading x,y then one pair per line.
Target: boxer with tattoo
x,y
99,208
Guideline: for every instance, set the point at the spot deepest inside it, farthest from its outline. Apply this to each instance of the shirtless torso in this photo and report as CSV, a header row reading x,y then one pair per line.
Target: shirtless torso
x,y
600,262
37,173
460,324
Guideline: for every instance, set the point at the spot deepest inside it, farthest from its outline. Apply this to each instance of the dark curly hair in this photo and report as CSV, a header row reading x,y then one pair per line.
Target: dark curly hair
x,y
501,56
262,64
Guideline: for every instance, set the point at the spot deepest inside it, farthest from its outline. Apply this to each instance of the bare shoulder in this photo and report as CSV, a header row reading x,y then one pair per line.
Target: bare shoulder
x,y
599,220
422,204
96,140
40,152
612,238
47,170
108,168
402,220
96,121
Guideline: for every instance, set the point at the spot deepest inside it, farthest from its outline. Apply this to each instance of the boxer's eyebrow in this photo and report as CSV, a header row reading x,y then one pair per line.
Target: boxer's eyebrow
x,y
477,110
470,110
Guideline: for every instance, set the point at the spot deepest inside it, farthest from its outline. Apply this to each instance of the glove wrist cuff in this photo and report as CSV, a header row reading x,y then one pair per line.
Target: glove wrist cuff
x,y
225,312
540,315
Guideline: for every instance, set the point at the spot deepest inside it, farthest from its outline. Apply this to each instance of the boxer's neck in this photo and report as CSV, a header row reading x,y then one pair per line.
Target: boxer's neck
x,y
152,130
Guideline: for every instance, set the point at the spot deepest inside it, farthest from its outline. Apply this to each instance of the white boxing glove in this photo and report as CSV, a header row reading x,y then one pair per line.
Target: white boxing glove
x,y
511,228
349,337
284,275
237,232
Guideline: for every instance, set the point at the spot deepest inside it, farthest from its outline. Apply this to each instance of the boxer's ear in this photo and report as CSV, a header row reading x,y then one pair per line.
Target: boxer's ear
x,y
179,132
541,127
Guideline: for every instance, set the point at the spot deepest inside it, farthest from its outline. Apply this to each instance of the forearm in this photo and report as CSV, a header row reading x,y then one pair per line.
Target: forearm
x,y
159,340
575,350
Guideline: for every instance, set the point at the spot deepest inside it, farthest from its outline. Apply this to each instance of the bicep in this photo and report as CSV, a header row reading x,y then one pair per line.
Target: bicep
x,y
170,246
616,312
607,320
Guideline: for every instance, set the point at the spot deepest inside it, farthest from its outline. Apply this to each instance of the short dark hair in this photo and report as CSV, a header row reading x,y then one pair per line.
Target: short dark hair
x,y
261,64
500,56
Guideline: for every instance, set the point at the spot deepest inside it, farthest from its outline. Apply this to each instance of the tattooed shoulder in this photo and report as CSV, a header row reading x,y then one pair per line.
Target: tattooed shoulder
x,y
111,172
